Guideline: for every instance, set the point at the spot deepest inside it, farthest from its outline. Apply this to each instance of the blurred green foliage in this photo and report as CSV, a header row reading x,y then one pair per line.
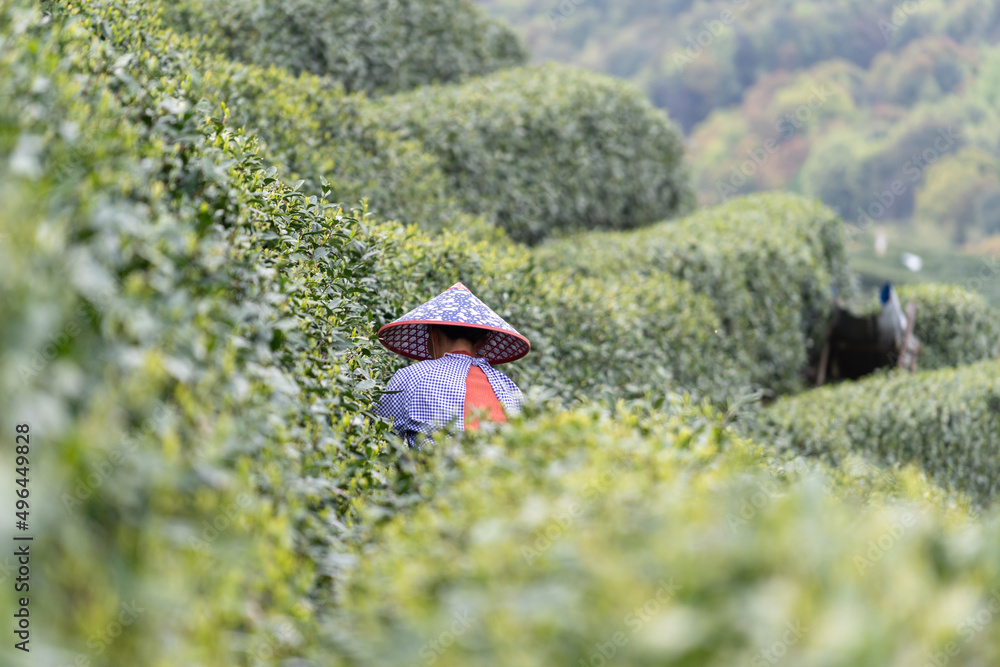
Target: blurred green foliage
x,y
694,56
647,539
190,341
769,264
549,150
955,326
189,330
946,421
837,99
373,46
912,139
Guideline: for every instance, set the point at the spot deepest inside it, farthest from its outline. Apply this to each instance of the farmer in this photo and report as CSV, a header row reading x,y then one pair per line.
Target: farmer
x,y
455,337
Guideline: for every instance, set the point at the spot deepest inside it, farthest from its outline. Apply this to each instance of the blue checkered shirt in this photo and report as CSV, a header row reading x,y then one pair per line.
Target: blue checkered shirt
x,y
431,394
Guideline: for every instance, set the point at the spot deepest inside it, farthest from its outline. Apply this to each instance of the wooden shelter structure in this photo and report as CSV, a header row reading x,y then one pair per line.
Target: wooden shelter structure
x,y
856,346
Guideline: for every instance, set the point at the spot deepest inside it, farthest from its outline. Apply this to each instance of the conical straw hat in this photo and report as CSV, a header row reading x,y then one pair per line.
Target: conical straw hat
x,y
409,336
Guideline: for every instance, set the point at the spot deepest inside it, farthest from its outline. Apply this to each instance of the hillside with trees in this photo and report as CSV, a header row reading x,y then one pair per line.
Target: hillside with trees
x,y
886,112
695,56
197,247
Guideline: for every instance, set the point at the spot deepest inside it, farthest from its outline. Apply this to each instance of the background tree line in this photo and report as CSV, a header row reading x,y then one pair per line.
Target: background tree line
x,y
739,75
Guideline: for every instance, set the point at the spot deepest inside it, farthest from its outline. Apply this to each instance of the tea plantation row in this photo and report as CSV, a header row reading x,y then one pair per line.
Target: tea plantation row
x,y
585,540
191,339
955,326
769,264
534,150
191,342
186,337
375,46
947,421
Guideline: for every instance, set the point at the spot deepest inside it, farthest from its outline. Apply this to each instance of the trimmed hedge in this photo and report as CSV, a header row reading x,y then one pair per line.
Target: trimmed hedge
x,y
577,539
548,150
947,421
374,46
769,265
215,337
604,340
315,132
621,165
592,339
191,343
320,135
955,326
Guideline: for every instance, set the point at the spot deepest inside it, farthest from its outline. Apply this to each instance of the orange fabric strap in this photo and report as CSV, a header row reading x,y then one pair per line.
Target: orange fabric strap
x,y
480,399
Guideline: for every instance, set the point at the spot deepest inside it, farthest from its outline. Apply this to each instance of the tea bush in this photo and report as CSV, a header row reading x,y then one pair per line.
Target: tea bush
x,y
190,342
313,130
576,539
947,421
374,46
769,265
322,136
547,150
592,339
955,326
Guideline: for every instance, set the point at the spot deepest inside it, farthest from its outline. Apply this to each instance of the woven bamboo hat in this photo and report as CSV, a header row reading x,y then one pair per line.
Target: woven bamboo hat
x,y
457,306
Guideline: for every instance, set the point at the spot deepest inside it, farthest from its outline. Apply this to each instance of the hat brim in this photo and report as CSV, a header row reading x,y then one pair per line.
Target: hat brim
x,y
411,339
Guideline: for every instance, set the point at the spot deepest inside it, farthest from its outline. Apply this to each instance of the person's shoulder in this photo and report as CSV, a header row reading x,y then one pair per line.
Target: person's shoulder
x,y
428,365
449,365
503,378
445,362
406,375
418,370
